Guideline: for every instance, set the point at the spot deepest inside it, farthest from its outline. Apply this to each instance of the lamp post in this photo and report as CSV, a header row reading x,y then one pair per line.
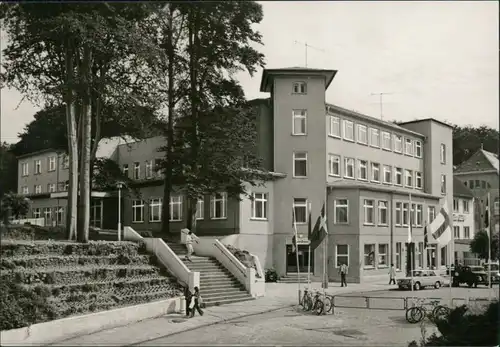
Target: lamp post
x,y
119,185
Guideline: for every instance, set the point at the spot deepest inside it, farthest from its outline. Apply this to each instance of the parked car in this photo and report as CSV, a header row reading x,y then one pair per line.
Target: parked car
x,y
422,279
472,275
495,274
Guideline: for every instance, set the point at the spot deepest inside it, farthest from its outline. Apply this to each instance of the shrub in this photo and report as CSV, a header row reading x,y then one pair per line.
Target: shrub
x,y
145,233
272,275
244,257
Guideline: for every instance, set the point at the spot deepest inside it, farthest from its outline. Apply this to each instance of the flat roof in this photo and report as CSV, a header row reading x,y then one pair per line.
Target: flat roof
x,y
428,119
268,74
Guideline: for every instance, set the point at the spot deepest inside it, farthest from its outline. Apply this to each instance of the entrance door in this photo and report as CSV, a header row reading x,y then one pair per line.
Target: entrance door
x,y
291,259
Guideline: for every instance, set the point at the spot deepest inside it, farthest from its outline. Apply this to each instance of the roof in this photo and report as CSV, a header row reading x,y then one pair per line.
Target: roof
x,y
343,184
480,161
335,108
32,154
492,158
267,75
426,120
459,189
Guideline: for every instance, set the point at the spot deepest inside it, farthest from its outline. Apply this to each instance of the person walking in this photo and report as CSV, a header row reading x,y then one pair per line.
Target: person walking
x,y
392,275
196,302
190,237
343,274
188,296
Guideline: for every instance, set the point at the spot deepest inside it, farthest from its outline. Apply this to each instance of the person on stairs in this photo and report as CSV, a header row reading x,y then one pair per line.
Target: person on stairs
x,y
190,237
196,303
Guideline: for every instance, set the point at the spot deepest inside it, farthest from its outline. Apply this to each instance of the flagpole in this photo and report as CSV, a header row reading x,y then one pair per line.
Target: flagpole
x,y
296,250
410,256
489,245
451,256
309,249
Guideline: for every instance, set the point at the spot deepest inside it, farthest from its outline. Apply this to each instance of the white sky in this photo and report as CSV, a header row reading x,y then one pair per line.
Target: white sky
x,y
438,59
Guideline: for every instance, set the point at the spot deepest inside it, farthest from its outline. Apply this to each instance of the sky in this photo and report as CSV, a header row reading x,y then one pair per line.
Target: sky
x,y
434,59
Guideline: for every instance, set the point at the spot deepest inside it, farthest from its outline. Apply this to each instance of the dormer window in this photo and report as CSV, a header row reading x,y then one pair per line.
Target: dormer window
x,y
299,88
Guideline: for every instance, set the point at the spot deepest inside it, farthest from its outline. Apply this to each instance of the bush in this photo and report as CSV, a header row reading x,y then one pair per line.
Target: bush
x,y
244,257
272,275
145,233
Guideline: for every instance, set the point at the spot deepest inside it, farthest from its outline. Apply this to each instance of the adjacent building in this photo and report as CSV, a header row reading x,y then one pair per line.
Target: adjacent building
x,y
464,227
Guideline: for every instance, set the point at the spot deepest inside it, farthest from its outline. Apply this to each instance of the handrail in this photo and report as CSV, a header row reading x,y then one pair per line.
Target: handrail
x,y
229,257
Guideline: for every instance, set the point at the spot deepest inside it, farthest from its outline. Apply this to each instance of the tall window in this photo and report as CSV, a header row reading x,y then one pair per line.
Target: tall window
x,y
38,166
38,189
383,252
65,161
413,211
398,176
419,215
362,170
398,144
399,213
456,232
456,205
398,256
341,208
467,232
259,205
200,209
348,130
125,170
418,149
431,214
300,164
408,178
299,88
369,256
386,140
333,165
334,126
420,255
137,170
25,190
375,172
218,206
149,168
408,146
406,214
175,208
25,169
465,204
51,187
299,122
387,174
37,212
300,208
369,215
374,137
349,167
362,134
418,180
442,154
47,213
59,215
137,211
52,163
341,255
443,184
155,210
382,213
157,166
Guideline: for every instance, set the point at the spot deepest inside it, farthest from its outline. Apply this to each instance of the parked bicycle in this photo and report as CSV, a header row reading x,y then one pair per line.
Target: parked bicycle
x,y
312,302
419,311
328,303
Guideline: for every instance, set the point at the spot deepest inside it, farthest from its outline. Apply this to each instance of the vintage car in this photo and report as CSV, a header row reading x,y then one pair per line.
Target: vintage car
x,y
495,274
471,275
422,279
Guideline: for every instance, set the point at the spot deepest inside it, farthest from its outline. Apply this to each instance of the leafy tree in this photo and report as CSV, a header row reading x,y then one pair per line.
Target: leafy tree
x,y
468,140
479,245
17,204
8,170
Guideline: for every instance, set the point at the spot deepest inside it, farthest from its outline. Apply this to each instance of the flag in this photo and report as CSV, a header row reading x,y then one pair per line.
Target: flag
x,y
440,228
320,230
309,221
410,222
426,239
294,226
487,213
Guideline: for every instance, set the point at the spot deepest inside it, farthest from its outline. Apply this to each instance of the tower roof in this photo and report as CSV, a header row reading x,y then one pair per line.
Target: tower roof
x,y
269,74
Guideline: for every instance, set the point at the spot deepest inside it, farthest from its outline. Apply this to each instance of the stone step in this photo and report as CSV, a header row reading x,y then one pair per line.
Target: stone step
x,y
229,301
232,289
224,296
209,281
221,286
218,274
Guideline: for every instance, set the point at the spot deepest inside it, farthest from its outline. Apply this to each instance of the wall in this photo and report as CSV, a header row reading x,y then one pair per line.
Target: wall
x,y
140,151
45,177
463,219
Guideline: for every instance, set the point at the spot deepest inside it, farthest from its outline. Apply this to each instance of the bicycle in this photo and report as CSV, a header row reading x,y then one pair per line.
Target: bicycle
x,y
312,303
328,302
307,301
318,305
418,311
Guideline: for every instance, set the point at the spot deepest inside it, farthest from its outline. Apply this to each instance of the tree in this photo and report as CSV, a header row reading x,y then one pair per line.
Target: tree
x,y
8,170
16,204
468,140
479,245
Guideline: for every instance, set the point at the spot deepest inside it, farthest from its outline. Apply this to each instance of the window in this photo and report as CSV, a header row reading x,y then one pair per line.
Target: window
x,y
333,165
374,137
369,215
38,189
300,210
259,205
51,187
341,208
63,186
175,208
65,161
375,172
412,215
341,255
137,170
137,211
408,147
200,209
418,149
406,214
398,256
300,164
408,178
349,167
25,169
348,130
47,213
443,184
383,250
420,255
218,206
299,88
149,168
382,213
155,210
52,163
431,214
471,184
478,184
398,143
483,184
419,217
362,170
299,122
362,134
399,214
369,258
386,140
456,205
442,154
37,213
387,174
398,176
25,190
466,232
59,215
456,232
334,126
465,204
38,166
418,180
125,170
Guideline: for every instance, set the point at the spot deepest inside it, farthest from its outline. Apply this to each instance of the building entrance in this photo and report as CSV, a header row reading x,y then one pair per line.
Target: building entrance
x,y
291,259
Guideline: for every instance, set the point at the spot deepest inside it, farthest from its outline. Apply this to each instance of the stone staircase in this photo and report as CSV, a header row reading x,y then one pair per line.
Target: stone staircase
x,y
217,285
294,278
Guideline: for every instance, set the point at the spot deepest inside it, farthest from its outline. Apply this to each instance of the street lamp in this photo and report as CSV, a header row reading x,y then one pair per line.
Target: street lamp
x,y
119,185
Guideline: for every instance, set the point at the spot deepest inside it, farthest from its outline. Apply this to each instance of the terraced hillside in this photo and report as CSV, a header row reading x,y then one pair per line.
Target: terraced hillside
x,y
66,278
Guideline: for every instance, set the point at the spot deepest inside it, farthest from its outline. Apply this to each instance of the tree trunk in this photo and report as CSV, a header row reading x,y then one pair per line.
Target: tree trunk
x,y
192,205
71,211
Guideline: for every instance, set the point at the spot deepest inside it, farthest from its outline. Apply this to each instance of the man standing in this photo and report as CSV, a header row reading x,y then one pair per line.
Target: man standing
x,y
392,275
343,274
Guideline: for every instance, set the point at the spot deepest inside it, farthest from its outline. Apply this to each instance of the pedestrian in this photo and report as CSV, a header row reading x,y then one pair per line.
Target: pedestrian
x,y
343,274
188,296
196,302
190,237
392,275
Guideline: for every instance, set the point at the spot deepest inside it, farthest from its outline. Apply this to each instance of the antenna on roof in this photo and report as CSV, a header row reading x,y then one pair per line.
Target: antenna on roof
x,y
380,101
306,46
